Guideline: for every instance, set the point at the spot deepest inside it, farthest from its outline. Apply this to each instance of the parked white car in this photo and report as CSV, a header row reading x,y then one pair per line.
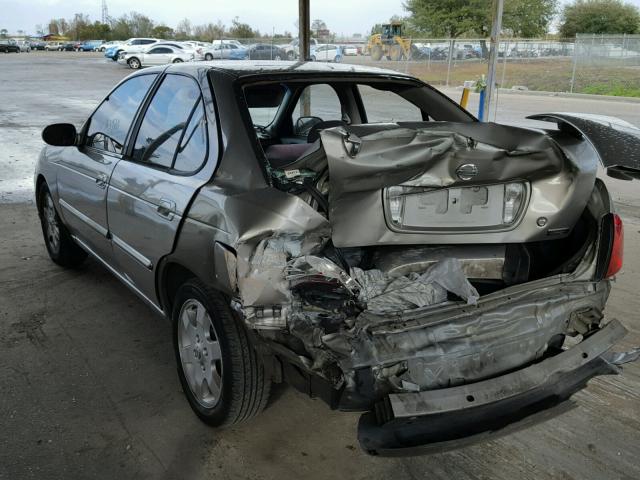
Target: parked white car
x,y
102,47
228,42
24,46
293,48
349,50
156,55
52,46
135,45
326,53
224,51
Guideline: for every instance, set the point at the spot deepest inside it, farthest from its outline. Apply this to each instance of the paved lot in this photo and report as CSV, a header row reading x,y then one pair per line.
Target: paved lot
x,y
88,387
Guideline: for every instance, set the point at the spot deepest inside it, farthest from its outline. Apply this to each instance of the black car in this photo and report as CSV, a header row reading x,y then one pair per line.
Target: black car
x,y
68,47
8,46
37,45
265,51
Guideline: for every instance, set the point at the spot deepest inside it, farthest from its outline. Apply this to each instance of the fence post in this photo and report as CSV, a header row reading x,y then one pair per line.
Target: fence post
x,y
504,63
575,63
451,53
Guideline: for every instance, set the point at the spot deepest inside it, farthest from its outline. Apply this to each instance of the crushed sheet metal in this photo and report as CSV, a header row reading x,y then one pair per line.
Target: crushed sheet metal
x,y
616,142
471,343
620,358
310,265
383,294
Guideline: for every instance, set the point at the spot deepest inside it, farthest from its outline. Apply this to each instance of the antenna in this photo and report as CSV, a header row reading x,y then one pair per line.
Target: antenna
x,y
105,12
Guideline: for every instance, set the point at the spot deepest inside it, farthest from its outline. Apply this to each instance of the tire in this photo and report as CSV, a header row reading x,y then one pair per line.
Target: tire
x,y
240,387
376,53
277,58
291,56
60,246
395,53
208,57
134,63
177,60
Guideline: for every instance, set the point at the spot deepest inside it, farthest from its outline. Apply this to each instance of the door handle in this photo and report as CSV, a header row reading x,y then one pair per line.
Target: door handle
x,y
101,180
166,208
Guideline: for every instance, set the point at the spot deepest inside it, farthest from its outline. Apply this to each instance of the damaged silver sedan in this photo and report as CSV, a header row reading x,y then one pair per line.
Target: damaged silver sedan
x,y
353,232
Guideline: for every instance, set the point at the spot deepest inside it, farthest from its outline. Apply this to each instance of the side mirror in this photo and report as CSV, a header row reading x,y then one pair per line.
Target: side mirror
x,y
304,125
60,135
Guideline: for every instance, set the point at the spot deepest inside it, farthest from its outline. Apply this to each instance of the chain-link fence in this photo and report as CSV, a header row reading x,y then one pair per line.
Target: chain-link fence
x,y
595,64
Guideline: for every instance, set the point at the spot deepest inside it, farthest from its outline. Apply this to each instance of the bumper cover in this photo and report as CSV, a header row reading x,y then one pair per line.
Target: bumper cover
x,y
448,418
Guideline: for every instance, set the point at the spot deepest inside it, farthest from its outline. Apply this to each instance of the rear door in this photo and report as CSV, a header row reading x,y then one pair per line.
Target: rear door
x,y
83,172
152,186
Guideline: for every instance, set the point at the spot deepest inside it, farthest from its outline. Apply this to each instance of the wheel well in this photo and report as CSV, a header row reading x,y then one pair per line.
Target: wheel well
x,y
39,182
174,276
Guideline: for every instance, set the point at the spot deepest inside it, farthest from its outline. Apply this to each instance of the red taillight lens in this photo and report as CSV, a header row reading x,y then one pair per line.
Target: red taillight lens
x,y
615,261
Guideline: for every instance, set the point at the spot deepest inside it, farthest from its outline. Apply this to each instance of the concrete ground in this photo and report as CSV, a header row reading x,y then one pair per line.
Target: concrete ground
x,y
88,387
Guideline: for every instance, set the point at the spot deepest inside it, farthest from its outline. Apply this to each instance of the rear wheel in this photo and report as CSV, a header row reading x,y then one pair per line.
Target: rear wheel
x,y
133,63
60,246
177,60
220,372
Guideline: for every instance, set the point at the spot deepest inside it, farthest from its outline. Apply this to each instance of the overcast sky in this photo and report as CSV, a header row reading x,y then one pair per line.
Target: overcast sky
x,y
342,16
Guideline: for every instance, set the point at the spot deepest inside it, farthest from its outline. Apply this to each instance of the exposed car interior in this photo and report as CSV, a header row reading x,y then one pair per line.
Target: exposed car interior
x,y
288,117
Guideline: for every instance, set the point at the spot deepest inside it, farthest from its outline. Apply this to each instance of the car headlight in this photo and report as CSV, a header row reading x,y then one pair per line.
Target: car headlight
x,y
455,208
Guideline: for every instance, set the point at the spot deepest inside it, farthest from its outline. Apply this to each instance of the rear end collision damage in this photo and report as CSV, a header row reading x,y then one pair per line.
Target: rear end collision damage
x,y
443,256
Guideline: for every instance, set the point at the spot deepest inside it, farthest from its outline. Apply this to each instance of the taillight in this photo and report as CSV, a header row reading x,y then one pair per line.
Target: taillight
x,y
615,260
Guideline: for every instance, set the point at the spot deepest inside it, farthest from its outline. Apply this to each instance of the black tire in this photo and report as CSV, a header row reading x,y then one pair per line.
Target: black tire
x,y
244,388
65,252
134,63
208,57
376,53
177,60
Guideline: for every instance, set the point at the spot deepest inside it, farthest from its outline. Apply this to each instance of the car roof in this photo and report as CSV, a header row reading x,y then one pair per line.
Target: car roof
x,y
246,68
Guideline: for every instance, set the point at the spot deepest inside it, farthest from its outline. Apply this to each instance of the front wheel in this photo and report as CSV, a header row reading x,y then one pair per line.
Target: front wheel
x,y
220,371
133,63
208,57
177,60
60,246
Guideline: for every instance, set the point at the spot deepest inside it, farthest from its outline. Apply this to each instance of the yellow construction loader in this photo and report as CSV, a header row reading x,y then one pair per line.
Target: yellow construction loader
x,y
390,43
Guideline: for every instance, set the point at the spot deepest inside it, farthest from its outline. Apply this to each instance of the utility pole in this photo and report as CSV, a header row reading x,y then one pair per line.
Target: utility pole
x,y
304,29
496,27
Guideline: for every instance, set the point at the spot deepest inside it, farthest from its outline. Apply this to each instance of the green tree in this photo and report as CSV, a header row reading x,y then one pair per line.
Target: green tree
x,y
455,18
3,33
183,29
242,30
599,16
162,31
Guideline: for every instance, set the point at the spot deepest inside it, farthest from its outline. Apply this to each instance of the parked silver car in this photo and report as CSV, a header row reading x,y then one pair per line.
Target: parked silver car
x,y
157,54
353,232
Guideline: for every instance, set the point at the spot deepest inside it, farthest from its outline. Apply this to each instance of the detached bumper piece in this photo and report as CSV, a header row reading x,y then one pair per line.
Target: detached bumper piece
x,y
444,419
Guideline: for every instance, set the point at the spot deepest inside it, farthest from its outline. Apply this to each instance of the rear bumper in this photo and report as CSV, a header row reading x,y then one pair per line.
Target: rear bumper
x,y
448,418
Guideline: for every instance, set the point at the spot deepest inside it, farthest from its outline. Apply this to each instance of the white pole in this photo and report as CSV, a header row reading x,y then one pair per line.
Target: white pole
x,y
496,27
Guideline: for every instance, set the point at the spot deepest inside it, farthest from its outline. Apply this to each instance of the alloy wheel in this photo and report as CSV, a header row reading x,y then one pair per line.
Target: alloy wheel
x,y
200,353
52,228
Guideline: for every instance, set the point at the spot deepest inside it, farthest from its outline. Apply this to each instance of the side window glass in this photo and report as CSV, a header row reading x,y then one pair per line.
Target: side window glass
x,y
110,123
387,106
193,146
323,103
165,119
